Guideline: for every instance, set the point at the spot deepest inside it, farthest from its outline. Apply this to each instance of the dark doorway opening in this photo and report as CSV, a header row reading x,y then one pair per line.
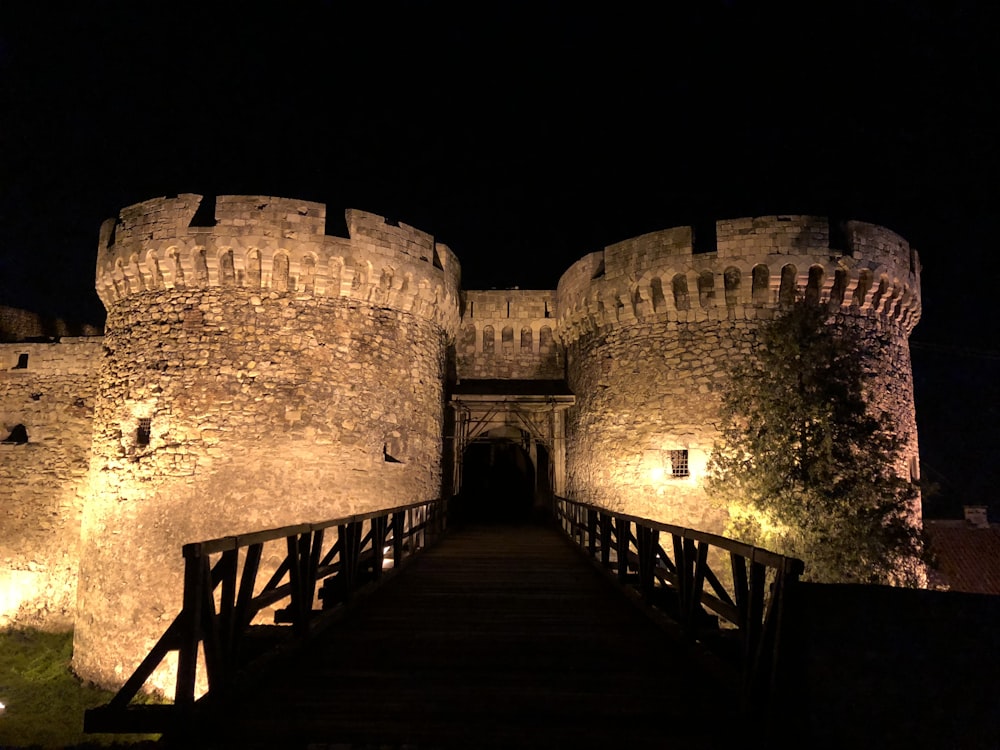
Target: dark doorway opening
x,y
498,483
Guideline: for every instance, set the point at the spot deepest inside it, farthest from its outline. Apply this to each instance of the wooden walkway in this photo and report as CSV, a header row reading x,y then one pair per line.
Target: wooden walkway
x,y
497,636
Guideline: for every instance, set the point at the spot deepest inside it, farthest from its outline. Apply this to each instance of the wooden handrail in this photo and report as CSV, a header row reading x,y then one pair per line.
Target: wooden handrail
x,y
331,560
221,544
680,583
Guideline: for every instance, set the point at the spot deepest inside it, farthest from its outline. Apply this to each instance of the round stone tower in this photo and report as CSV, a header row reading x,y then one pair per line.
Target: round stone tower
x,y
651,325
258,373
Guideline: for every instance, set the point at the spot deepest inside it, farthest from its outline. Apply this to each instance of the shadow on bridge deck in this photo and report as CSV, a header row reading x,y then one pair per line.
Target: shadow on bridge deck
x,y
498,636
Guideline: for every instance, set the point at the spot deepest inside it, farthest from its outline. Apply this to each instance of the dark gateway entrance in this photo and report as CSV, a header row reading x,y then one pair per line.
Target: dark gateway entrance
x,y
498,484
509,449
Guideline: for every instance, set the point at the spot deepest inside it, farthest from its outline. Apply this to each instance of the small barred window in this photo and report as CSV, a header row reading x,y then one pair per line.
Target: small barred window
x,y
142,433
679,464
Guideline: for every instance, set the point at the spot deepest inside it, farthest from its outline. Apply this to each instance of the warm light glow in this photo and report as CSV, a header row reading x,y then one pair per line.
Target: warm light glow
x,y
16,587
656,474
697,465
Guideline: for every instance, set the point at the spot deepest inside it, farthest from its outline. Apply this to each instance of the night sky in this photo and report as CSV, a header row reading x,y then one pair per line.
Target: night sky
x,y
525,135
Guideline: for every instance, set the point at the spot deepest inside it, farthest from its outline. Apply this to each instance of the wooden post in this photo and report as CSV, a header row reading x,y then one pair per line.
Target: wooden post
x,y
187,657
591,531
755,612
683,575
700,554
248,581
227,607
350,552
622,533
379,527
397,539
646,541
605,539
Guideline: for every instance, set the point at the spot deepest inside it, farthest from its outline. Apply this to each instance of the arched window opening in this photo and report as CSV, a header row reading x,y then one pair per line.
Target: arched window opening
x,y
200,267
638,303
706,289
155,273
489,340
22,362
526,340
760,284
279,273
135,272
227,274
178,272
786,292
545,340
335,275
253,269
308,274
385,280
731,278
507,340
656,292
680,286
120,278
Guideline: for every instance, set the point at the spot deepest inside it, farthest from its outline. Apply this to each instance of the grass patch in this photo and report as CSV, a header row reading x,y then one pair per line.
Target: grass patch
x,y
44,700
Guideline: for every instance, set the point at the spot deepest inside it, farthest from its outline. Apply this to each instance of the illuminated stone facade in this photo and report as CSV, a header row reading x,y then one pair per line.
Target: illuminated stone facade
x,y
257,371
49,389
651,324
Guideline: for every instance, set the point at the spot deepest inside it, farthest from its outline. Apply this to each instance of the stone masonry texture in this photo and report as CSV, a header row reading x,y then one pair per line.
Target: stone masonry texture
x,y
256,371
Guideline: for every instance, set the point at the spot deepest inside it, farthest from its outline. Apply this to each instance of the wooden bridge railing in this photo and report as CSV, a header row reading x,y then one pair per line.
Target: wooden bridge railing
x,y
225,590
669,567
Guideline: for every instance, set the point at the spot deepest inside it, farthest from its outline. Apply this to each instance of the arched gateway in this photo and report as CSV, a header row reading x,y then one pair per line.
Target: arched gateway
x,y
257,371
509,447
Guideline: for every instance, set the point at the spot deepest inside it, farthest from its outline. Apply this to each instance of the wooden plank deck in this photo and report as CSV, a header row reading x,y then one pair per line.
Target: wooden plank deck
x,y
500,636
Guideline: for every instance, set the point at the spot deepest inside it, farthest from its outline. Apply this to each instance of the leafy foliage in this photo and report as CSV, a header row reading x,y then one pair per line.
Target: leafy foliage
x,y
804,467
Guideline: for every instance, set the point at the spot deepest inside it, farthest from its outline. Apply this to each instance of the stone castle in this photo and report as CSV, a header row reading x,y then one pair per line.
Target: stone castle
x,y
256,371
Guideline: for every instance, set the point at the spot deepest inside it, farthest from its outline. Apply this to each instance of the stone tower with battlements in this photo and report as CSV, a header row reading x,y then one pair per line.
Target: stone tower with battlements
x,y
652,324
257,371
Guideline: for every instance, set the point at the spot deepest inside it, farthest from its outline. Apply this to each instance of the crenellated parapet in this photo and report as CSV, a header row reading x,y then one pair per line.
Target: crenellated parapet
x,y
750,268
508,334
276,245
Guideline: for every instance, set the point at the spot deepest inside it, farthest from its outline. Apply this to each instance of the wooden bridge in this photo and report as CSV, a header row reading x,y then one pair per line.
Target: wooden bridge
x,y
491,636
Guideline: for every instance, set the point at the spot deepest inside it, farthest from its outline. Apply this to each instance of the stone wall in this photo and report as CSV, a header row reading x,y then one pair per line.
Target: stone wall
x,y
651,328
49,389
508,335
257,371
20,325
643,393
258,374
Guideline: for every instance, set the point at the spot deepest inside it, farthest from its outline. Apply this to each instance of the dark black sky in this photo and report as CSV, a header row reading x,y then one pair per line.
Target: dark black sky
x,y
525,135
